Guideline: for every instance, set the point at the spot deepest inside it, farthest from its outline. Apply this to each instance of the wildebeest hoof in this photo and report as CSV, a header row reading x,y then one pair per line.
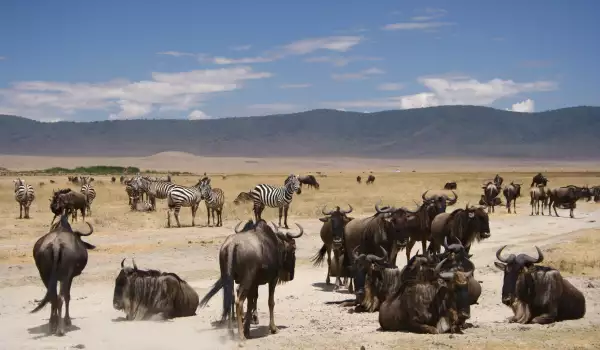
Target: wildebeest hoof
x,y
68,322
274,329
254,319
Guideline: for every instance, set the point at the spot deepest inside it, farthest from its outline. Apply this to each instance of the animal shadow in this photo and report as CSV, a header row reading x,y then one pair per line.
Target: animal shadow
x,y
330,288
43,331
119,319
262,331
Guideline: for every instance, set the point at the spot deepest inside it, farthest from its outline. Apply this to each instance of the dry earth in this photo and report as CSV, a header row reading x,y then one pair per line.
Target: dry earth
x,y
301,312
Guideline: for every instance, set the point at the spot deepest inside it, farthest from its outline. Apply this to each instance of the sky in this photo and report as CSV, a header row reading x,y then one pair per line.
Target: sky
x,y
84,61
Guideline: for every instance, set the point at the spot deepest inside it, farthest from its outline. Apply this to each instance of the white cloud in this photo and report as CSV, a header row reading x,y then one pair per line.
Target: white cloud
x,y
358,75
241,48
458,90
416,25
390,86
2,58
295,86
244,60
122,98
274,107
340,61
175,53
197,115
527,106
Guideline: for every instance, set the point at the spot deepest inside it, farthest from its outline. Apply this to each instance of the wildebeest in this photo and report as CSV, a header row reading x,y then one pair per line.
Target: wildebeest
x,y
66,200
242,198
332,235
468,225
441,201
113,179
309,180
490,192
146,294
596,193
358,179
497,200
60,255
537,294
539,179
539,198
450,185
428,305
498,180
259,256
566,198
511,193
370,179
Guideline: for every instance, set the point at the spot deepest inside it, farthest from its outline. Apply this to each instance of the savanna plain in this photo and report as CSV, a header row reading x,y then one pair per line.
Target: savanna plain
x,y
305,318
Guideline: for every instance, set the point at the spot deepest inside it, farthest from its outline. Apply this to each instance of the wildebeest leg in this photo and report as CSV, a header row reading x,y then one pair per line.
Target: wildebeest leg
x,y
239,304
548,317
194,209
327,281
65,290
272,326
554,206
409,246
571,213
252,299
515,206
59,304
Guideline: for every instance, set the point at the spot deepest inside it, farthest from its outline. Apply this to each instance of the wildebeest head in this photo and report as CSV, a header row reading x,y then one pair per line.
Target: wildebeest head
x,y
288,252
394,219
473,220
121,282
338,219
293,182
515,267
440,201
457,282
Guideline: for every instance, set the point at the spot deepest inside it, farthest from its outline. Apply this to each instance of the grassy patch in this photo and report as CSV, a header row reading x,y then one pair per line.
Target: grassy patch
x,y
576,257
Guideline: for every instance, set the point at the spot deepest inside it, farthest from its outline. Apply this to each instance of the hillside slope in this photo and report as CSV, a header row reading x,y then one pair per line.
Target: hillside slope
x,y
431,132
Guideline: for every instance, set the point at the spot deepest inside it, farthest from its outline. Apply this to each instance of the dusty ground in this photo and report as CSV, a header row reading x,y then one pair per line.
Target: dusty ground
x,y
304,319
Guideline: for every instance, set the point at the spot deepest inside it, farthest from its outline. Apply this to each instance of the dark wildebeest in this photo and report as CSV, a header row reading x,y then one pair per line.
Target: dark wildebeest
x,y
596,193
52,181
358,179
450,185
113,179
468,225
308,180
242,198
65,200
539,198
537,294
428,305
566,198
539,179
490,192
259,256
511,193
497,200
60,255
370,180
146,294
332,235
441,201
498,180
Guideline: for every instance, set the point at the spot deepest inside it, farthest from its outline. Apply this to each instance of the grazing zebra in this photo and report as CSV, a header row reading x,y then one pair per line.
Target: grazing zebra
x,y
24,195
181,196
132,190
90,194
214,199
154,189
275,197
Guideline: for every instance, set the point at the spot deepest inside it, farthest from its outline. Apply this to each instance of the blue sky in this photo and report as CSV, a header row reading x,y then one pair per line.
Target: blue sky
x,y
83,60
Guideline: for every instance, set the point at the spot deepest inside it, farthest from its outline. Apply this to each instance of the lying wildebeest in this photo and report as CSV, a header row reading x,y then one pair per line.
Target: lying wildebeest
x,y
60,255
146,294
113,179
468,225
539,198
497,201
52,181
450,185
498,180
332,235
539,179
511,193
429,306
259,256
370,179
242,198
308,180
566,198
66,200
358,179
537,294
490,192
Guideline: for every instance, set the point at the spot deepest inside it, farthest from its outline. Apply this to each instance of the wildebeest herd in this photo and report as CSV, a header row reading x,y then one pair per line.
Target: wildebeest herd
x,y
432,293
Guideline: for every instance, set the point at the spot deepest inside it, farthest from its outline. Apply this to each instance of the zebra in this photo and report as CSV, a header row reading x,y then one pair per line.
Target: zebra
x,y
214,199
153,189
181,196
24,195
132,190
89,192
275,197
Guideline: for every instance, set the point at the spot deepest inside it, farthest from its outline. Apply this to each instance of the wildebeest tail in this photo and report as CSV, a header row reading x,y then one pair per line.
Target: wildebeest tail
x,y
318,258
215,288
53,282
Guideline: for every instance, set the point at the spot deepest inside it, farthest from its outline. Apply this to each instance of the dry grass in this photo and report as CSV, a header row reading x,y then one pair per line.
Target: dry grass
x,y
578,256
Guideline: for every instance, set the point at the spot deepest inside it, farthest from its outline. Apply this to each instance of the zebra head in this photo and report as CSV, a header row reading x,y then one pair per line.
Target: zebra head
x,y
205,188
292,184
18,183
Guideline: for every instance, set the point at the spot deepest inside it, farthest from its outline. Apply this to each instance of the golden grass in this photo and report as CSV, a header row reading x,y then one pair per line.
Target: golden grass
x,y
578,256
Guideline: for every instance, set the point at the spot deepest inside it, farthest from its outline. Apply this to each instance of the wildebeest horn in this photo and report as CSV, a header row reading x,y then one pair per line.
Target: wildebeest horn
x,y
438,267
123,263
445,243
385,254
86,234
134,265
298,235
235,229
355,254
535,261
347,211
453,201
510,258
326,212
423,195
382,211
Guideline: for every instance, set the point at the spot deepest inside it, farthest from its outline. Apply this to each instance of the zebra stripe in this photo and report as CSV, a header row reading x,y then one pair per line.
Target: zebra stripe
x,y
275,197
214,199
154,189
181,196
90,194
24,195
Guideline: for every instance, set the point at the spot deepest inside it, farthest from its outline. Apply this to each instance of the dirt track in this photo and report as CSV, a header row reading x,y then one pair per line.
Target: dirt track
x,y
304,319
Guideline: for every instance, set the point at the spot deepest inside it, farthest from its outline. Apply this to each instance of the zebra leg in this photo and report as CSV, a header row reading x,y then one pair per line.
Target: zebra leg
x,y
220,217
194,209
280,214
20,210
258,209
27,210
176,214
208,216
285,215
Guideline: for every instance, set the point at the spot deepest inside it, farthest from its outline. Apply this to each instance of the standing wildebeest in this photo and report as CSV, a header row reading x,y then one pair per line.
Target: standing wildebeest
x,y
539,179
450,185
358,179
566,198
427,305
332,235
537,294
498,180
144,294
24,195
65,200
60,255
370,179
468,225
259,256
596,193
308,180
441,201
113,179
539,198
511,193
490,192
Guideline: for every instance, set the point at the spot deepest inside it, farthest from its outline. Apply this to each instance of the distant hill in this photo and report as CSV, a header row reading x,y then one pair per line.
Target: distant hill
x,y
425,132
